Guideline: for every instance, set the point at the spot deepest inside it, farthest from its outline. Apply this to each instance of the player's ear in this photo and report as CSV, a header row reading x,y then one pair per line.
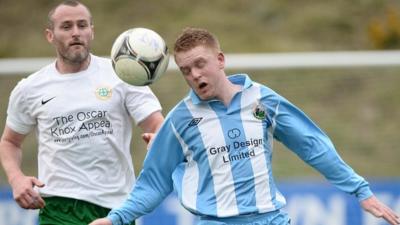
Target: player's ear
x,y
221,60
92,27
49,35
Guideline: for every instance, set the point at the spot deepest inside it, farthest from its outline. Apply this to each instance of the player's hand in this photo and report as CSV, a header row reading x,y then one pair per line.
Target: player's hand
x,y
380,210
148,138
102,221
24,194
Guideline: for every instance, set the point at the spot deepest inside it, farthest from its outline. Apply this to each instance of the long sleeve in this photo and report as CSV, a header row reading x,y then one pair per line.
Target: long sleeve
x,y
301,135
154,182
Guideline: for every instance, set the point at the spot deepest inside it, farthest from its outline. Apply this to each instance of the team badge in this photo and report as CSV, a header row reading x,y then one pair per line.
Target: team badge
x,y
259,112
103,93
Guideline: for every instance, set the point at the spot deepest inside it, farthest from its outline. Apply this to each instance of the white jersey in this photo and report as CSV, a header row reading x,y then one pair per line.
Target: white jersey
x,y
83,122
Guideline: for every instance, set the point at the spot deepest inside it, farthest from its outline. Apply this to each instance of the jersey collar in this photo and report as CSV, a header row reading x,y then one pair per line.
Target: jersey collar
x,y
239,79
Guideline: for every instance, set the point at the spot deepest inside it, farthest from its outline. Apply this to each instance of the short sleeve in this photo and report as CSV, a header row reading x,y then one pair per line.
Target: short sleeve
x,y
19,118
141,102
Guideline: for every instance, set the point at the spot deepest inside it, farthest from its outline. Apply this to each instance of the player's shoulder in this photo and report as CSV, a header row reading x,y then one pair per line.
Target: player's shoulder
x,y
105,71
102,60
178,110
265,91
267,96
182,113
250,85
103,63
26,83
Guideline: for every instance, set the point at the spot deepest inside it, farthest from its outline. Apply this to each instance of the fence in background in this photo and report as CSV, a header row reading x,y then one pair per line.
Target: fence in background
x,y
12,66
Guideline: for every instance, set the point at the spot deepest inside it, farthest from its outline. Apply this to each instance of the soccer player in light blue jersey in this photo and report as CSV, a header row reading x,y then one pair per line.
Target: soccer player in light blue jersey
x,y
215,148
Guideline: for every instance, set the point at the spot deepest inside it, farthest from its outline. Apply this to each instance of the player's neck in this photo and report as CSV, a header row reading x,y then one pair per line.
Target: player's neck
x,y
229,91
65,66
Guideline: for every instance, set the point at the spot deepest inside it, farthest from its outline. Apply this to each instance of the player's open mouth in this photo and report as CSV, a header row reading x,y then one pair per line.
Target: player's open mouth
x,y
202,85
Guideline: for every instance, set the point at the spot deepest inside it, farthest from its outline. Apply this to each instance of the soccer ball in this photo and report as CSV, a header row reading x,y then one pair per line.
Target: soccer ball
x,y
139,56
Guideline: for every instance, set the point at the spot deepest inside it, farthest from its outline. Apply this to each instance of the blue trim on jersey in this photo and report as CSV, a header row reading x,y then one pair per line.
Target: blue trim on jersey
x,y
206,194
245,193
268,129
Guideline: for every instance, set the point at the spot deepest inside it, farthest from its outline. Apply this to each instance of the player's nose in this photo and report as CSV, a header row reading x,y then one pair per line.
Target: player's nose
x,y
196,74
76,31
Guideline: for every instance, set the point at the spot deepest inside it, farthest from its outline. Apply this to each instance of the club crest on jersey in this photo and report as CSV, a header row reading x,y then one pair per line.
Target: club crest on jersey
x,y
259,112
103,93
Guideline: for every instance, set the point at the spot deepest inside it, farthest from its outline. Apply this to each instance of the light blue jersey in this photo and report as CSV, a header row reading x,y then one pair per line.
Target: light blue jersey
x,y
218,159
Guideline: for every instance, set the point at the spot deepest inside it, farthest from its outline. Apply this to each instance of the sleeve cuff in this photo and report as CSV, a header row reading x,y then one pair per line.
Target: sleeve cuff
x,y
363,193
115,219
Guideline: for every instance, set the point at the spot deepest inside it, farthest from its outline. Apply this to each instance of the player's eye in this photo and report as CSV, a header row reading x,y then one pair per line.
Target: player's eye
x,y
185,71
200,64
83,25
66,27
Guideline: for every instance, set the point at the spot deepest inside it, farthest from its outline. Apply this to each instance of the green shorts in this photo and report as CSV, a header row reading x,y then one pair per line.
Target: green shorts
x,y
68,211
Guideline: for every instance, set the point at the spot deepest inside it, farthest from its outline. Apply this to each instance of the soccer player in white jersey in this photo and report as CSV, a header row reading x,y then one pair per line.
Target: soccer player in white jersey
x,y
83,115
215,147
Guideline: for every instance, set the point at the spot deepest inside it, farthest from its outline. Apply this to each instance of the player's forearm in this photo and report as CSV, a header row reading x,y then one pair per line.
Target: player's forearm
x,y
313,146
11,158
120,217
154,182
152,123
142,200
132,208
340,174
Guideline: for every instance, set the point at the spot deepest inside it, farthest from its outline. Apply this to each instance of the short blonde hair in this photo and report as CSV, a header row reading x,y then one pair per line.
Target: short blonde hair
x,y
193,37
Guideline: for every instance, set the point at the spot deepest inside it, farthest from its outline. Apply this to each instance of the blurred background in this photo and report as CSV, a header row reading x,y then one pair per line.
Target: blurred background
x,y
358,107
